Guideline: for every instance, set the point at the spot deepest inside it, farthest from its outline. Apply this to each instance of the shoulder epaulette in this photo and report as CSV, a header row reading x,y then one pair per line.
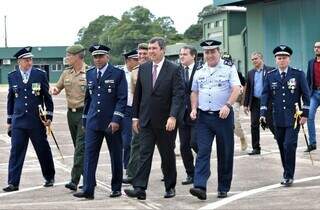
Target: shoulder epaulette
x,y
296,69
273,70
40,70
12,71
90,68
68,68
227,62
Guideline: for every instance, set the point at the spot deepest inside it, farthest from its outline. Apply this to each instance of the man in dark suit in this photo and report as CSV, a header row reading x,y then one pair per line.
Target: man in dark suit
x,y
28,89
313,79
105,104
255,81
158,98
187,130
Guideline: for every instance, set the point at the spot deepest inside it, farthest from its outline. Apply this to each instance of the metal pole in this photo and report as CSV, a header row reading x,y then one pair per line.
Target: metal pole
x,y
5,32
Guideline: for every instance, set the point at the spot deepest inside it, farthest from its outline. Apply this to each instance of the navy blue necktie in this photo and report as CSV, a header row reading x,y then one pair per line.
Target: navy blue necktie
x,y
186,78
99,76
283,75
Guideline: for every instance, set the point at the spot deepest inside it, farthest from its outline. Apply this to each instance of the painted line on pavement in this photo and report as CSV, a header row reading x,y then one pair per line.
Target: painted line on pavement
x,y
248,193
4,194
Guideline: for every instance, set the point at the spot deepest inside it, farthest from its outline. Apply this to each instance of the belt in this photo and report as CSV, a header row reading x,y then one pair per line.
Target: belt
x,y
316,88
210,112
79,109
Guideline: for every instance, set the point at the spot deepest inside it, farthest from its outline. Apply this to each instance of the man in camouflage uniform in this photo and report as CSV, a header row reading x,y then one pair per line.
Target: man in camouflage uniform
x,y
73,80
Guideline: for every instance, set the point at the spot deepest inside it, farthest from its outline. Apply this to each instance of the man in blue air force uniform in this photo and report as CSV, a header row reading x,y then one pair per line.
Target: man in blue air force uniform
x,y
285,86
105,103
28,88
215,87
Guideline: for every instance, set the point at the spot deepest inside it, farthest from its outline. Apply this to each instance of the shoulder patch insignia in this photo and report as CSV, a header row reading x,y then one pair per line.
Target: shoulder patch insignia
x,y
199,66
228,62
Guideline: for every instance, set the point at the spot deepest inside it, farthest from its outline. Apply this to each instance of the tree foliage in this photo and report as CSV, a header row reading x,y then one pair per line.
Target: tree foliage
x,y
135,26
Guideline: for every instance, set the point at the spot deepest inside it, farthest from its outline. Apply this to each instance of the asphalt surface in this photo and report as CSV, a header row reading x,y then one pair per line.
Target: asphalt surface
x,y
255,182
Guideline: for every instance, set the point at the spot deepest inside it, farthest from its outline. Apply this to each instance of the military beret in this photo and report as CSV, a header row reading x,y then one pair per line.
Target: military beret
x,y
143,46
282,50
210,44
99,49
24,53
131,54
75,49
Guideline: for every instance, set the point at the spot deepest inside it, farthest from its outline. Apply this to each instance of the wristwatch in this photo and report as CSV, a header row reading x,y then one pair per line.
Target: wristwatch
x,y
228,105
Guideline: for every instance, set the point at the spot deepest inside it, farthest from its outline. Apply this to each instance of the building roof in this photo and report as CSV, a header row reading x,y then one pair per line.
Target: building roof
x,y
221,9
234,2
38,52
174,49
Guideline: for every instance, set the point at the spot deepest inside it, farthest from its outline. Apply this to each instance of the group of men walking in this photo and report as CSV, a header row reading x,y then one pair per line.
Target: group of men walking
x,y
155,98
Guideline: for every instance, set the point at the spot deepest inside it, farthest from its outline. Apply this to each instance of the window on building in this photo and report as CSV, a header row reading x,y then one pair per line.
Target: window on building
x,y
219,23
56,67
211,25
6,62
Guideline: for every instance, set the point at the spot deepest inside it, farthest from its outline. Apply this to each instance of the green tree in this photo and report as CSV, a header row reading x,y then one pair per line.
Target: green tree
x,y
194,32
135,26
92,34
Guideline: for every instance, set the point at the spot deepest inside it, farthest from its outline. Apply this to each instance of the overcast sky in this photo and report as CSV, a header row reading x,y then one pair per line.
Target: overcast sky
x,y
56,23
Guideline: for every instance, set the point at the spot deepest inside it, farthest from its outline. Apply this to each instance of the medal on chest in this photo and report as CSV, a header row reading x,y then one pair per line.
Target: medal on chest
x,y
274,87
36,87
15,90
291,84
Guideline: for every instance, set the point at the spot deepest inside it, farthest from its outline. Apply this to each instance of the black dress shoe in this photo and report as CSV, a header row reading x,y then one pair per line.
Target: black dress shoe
x,y
170,193
127,180
189,180
10,188
49,183
287,182
83,195
311,147
199,193
136,193
71,186
115,194
222,194
255,152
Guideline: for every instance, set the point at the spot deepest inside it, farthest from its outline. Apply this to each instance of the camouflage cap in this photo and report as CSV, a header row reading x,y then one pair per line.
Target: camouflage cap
x,y
75,49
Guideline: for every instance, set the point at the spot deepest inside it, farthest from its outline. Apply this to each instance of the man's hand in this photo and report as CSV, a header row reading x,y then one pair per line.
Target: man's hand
x,y
303,120
246,110
135,126
263,122
46,123
9,130
114,127
171,124
193,114
54,91
224,112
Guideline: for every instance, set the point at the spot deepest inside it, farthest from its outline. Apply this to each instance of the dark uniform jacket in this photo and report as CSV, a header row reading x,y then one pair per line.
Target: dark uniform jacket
x,y
105,101
24,99
284,94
